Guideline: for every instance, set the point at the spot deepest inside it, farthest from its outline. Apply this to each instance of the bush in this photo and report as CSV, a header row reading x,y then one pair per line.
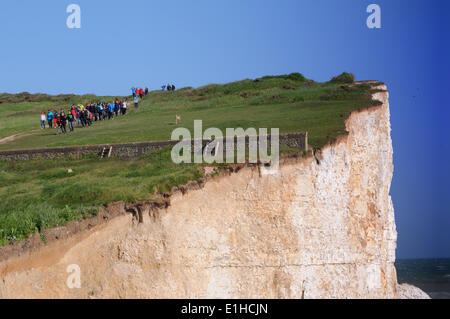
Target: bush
x,y
343,78
297,77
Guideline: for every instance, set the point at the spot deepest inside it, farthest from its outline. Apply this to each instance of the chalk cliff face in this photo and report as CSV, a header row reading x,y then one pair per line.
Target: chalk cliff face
x,y
323,227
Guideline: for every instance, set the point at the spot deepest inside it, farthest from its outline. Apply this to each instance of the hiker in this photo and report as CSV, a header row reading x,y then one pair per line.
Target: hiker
x,y
79,117
116,108
58,123
70,119
101,110
173,87
91,111
141,93
82,118
104,110
163,87
120,108
87,116
146,91
95,111
55,119
90,117
73,111
43,118
136,102
110,111
124,107
50,119
133,91
107,116
63,121
169,87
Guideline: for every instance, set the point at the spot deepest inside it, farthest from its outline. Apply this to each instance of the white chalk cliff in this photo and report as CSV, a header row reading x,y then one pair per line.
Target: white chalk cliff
x,y
323,227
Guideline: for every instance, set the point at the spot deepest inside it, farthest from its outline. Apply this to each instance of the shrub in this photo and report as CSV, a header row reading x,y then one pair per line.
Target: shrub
x,y
343,78
297,77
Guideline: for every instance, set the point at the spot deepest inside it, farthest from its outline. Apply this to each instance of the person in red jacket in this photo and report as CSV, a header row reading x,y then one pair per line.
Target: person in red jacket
x,y
141,93
73,111
55,119
58,124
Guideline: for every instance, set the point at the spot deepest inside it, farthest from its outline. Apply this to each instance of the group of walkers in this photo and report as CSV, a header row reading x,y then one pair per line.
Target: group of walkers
x,y
139,92
83,115
86,115
169,87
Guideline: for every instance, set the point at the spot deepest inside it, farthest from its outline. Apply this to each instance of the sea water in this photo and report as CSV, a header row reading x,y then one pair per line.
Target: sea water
x,y
430,275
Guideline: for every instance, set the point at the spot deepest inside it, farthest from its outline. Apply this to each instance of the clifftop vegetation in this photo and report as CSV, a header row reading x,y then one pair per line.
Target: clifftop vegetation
x,y
289,102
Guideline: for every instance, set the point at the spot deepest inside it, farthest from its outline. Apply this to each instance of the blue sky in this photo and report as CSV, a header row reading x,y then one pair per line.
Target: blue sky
x,y
192,43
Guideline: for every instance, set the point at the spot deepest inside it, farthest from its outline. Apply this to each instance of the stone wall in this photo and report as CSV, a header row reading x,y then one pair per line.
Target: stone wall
x,y
129,150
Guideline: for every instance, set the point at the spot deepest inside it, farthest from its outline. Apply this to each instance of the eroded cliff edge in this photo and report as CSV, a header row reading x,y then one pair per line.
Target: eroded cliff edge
x,y
323,227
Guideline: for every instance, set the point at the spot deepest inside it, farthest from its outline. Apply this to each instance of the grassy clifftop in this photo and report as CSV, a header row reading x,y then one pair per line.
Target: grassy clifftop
x,y
38,195
290,102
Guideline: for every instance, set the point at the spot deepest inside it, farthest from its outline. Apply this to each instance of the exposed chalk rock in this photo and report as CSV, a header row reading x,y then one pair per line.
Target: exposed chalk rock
x,y
406,291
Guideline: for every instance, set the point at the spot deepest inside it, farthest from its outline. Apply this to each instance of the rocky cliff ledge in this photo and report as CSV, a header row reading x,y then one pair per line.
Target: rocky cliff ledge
x,y
323,227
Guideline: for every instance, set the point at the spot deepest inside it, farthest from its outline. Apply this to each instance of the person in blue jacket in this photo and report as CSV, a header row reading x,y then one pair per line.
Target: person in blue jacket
x,y
100,111
116,109
50,118
111,110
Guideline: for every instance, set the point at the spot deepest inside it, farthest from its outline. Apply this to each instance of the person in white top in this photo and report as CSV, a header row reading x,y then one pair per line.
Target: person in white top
x,y
124,107
43,118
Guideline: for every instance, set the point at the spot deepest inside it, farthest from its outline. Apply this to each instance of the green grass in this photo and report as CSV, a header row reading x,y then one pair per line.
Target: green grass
x,y
37,195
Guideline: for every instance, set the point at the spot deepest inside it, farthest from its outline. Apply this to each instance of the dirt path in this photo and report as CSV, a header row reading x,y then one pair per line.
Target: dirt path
x,y
12,138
